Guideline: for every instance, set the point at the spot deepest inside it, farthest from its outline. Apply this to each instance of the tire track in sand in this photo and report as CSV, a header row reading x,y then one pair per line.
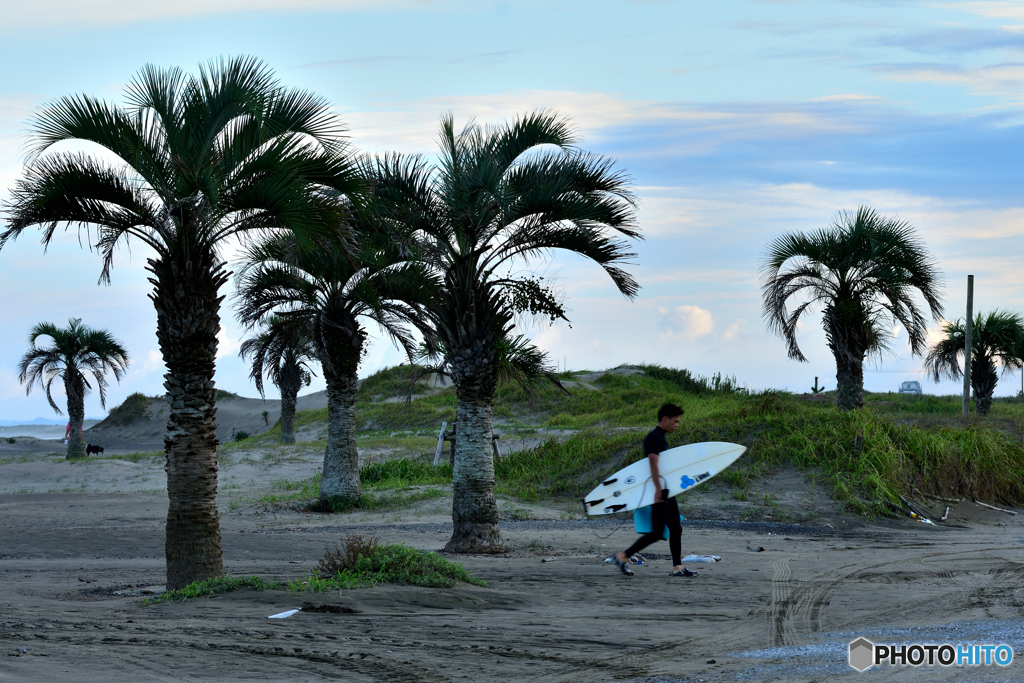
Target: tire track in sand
x,y
781,629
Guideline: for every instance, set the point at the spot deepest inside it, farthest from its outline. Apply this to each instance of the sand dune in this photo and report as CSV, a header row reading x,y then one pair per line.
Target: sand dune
x,y
234,413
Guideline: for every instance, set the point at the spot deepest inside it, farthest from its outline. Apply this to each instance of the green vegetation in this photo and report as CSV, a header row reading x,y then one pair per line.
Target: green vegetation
x,y
131,409
399,473
982,459
137,456
386,486
241,435
393,382
388,563
218,584
356,563
905,442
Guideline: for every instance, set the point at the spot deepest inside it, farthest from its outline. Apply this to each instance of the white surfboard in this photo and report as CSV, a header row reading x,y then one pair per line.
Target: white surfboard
x,y
680,468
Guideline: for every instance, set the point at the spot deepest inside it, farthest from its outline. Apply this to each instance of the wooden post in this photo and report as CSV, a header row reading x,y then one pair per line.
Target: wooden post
x,y
440,443
968,333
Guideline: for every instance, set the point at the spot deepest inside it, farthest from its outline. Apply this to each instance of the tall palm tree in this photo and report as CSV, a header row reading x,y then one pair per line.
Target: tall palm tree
x,y
190,162
863,269
499,197
77,350
995,338
327,293
284,355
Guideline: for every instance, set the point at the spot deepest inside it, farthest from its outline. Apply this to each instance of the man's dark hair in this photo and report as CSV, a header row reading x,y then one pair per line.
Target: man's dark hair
x,y
669,410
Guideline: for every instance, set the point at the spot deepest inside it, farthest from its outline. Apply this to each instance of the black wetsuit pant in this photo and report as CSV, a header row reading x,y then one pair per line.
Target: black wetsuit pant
x,y
665,512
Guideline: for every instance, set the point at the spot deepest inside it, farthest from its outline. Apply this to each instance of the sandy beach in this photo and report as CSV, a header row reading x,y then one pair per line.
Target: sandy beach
x,y
81,544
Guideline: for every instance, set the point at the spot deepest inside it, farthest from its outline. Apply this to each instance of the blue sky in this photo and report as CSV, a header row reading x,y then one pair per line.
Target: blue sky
x,y
737,121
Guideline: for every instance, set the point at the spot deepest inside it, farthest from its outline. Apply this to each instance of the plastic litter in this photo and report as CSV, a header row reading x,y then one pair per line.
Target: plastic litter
x,y
284,615
697,559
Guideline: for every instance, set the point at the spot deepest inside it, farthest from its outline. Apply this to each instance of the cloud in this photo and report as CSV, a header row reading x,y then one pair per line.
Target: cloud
x,y
14,110
1004,81
957,39
227,344
687,322
599,116
991,10
105,12
733,331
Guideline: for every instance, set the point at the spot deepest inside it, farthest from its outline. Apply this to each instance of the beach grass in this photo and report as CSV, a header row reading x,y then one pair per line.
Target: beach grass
x,y
373,563
898,444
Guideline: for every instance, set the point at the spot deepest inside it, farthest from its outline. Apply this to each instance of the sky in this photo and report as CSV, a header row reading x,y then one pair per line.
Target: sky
x,y
737,121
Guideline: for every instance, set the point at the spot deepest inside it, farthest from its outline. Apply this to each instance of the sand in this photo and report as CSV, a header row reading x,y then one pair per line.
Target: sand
x,y
82,543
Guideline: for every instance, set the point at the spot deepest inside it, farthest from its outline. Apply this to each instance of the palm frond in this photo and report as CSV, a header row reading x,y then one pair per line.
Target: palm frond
x,y
865,270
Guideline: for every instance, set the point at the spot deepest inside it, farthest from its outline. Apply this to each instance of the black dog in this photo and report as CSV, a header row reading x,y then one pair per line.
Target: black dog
x,y
90,449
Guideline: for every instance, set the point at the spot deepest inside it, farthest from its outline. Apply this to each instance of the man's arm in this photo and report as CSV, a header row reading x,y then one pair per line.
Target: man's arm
x,y
652,459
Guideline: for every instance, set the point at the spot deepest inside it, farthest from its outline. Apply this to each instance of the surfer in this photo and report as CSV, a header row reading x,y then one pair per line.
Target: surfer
x,y
665,511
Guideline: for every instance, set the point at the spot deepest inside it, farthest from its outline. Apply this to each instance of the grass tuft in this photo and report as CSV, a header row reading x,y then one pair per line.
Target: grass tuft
x,y
358,562
214,586
365,562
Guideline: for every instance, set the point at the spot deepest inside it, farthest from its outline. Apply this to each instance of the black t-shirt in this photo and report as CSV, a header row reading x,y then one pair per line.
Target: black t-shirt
x,y
655,442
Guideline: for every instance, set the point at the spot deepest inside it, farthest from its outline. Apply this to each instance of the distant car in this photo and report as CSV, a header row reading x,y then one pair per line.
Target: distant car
x,y
911,387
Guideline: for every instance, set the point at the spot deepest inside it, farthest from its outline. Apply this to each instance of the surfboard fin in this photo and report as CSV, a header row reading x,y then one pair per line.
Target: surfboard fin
x,y
592,503
609,482
614,508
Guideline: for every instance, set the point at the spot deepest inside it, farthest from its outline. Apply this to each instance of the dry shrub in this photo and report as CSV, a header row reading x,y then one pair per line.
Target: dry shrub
x,y
345,554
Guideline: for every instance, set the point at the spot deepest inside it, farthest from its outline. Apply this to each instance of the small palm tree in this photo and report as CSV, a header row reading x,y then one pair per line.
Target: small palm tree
x,y
863,269
190,163
324,293
77,350
499,197
996,339
283,354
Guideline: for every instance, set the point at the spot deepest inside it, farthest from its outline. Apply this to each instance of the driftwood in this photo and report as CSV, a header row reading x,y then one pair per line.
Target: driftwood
x,y
993,507
944,500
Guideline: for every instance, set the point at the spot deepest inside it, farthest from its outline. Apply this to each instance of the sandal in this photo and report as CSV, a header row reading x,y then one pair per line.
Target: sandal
x,y
623,566
684,572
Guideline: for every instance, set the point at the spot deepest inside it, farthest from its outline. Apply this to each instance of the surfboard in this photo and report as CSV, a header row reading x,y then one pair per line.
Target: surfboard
x,y
680,469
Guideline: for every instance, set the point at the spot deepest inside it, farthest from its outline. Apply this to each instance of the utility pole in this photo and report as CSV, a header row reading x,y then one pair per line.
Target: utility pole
x,y
969,329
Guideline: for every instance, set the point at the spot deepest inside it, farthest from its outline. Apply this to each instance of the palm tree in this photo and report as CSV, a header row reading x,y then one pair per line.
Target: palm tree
x,y
77,350
863,269
325,293
996,337
190,162
499,197
283,355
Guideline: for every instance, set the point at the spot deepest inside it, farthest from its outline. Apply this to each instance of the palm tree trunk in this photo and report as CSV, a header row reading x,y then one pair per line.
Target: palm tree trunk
x,y
983,382
187,307
290,382
849,382
289,396
474,507
74,387
341,459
